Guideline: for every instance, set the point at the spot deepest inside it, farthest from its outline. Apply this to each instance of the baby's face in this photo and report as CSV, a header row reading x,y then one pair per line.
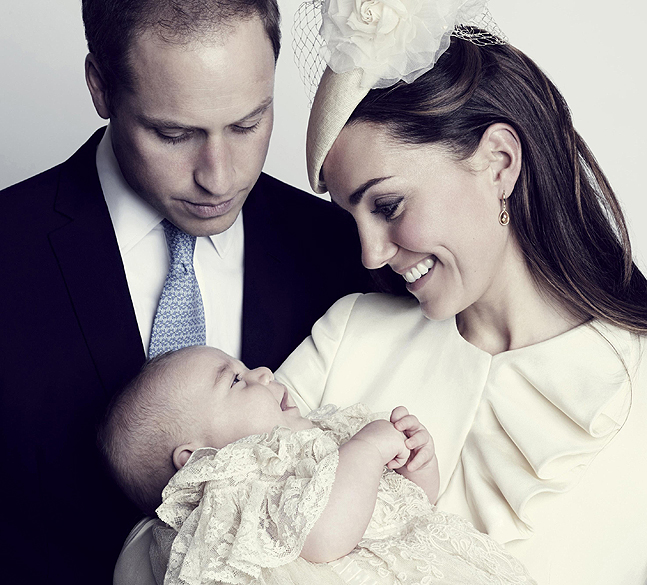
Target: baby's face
x,y
228,401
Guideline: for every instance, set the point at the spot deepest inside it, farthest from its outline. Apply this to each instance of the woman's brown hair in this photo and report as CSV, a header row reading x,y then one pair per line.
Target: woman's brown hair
x,y
564,214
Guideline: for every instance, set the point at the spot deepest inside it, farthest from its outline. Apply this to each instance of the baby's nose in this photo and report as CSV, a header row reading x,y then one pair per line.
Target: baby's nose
x,y
262,375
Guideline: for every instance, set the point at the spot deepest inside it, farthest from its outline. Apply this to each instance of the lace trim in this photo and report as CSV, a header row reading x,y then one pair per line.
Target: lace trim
x,y
247,506
237,530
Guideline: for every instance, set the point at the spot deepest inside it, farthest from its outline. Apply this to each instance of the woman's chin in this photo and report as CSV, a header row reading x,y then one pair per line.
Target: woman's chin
x,y
436,310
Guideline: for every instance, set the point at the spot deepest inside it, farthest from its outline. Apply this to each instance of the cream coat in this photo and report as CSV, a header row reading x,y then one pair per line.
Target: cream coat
x,y
544,447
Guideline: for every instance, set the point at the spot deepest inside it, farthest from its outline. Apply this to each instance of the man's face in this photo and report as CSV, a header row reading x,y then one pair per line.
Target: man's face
x,y
192,136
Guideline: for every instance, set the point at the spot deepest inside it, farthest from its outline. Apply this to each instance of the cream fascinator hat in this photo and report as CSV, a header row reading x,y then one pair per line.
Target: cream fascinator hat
x,y
367,44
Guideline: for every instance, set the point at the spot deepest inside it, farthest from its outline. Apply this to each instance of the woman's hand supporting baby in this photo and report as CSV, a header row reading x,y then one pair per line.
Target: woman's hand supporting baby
x,y
403,444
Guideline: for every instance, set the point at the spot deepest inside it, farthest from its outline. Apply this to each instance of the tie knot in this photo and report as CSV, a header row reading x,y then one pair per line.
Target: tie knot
x,y
180,245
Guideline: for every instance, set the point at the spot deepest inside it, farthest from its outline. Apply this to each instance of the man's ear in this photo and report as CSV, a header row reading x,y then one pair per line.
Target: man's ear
x,y
97,86
181,455
501,147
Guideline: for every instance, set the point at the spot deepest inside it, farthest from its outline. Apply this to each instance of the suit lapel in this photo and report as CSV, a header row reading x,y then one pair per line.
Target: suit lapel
x,y
89,259
267,300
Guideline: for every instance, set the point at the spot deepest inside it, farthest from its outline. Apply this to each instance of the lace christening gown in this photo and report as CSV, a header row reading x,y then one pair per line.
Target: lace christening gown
x,y
242,514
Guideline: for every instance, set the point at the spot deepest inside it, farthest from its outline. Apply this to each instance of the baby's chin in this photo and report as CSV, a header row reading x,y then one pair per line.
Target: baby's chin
x,y
297,422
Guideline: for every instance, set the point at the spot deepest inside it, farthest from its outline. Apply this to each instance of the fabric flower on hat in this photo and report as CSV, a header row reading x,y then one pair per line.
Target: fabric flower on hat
x,y
391,40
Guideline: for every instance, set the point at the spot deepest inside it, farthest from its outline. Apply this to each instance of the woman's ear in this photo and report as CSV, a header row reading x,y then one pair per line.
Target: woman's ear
x,y
97,86
501,147
181,455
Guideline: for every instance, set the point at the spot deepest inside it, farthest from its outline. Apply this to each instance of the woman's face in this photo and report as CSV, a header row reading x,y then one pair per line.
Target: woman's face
x,y
432,219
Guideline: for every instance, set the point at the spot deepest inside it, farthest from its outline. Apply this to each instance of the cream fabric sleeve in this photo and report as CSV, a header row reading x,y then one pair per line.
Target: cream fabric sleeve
x,y
305,371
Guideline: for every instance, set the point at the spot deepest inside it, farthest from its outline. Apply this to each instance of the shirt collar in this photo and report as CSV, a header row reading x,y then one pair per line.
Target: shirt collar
x,y
132,217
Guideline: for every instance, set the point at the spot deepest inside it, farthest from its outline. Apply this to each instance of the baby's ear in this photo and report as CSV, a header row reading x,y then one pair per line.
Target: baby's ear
x,y
181,455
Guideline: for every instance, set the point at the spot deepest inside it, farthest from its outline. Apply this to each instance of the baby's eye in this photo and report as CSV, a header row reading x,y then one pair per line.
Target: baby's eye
x,y
235,380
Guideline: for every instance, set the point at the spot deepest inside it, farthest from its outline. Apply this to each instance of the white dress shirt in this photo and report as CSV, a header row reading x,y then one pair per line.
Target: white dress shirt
x,y
218,259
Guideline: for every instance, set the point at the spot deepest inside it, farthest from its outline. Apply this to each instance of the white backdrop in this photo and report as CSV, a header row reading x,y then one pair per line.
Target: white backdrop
x,y
592,51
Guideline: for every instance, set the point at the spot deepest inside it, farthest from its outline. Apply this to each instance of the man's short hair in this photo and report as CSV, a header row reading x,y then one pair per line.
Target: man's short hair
x,y
142,427
112,25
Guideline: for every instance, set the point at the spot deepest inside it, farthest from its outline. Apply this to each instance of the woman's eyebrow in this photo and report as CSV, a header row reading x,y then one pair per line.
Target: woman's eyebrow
x,y
356,196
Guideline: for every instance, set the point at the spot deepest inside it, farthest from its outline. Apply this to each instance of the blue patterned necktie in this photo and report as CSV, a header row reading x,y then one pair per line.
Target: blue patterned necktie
x,y
179,320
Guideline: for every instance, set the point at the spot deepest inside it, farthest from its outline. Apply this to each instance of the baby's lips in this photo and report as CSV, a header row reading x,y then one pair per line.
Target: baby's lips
x,y
284,399
287,401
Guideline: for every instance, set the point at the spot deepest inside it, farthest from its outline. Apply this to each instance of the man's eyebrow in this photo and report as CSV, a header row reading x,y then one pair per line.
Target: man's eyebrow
x,y
258,111
356,196
162,123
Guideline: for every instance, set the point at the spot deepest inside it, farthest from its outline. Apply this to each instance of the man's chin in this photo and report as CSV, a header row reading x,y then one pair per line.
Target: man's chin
x,y
207,227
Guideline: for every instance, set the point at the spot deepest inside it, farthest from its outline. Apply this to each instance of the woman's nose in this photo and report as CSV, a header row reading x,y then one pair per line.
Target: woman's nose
x,y
377,247
260,375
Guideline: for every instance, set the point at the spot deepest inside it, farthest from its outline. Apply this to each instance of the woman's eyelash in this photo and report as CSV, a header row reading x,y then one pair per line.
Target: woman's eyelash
x,y
235,380
387,209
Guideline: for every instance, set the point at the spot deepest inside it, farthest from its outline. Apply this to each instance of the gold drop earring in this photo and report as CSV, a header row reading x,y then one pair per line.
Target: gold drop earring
x,y
504,216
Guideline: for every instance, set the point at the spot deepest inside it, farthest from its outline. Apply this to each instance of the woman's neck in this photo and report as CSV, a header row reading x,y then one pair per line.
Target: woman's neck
x,y
514,312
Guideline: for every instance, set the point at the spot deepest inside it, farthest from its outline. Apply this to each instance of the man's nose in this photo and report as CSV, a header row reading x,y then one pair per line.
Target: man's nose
x,y
214,170
377,247
260,375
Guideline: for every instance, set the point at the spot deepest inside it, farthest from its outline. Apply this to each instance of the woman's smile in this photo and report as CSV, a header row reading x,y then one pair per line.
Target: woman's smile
x,y
416,272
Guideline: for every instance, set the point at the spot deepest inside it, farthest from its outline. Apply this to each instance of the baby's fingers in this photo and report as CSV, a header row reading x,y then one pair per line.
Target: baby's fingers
x,y
398,413
408,424
418,439
423,452
400,459
421,459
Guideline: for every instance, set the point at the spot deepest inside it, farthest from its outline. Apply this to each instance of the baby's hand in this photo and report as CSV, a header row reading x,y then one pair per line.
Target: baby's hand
x,y
389,442
422,465
419,441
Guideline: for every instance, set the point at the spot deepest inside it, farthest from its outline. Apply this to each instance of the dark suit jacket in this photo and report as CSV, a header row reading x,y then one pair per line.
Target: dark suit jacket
x,y
70,340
